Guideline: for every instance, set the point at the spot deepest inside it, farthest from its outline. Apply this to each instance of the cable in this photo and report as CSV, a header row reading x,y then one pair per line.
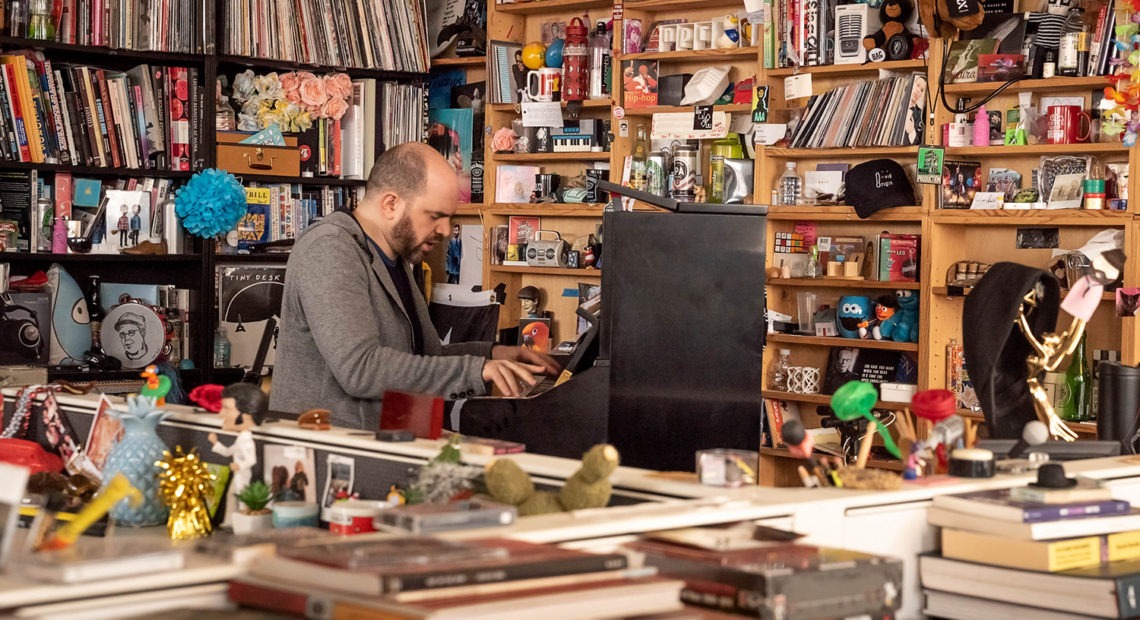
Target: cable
x,y
942,87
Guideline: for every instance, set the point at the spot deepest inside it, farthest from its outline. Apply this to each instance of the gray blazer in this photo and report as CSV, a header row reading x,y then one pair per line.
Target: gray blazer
x,y
345,337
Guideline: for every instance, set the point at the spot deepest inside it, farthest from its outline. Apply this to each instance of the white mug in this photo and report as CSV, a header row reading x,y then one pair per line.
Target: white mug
x,y
703,37
542,84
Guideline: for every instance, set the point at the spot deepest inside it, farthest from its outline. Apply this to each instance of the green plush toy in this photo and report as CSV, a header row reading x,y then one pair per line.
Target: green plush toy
x,y
589,487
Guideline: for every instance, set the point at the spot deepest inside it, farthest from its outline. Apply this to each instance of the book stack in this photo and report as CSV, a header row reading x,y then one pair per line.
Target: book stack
x,y
773,579
1030,552
424,577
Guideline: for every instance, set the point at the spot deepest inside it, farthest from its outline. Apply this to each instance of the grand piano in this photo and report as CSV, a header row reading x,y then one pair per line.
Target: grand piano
x,y
673,362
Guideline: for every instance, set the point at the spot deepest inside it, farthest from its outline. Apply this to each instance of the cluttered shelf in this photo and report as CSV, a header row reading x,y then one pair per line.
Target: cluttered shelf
x,y
548,271
97,170
835,341
842,213
824,399
890,65
551,157
694,55
460,61
832,153
1000,217
665,109
32,257
1080,428
1053,84
276,257
90,51
1036,149
330,181
843,283
550,6
873,463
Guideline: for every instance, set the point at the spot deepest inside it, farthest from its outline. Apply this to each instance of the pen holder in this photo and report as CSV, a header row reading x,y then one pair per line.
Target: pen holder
x,y
727,468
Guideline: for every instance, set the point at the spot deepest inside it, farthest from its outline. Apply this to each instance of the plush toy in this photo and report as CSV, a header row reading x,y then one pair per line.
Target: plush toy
x,y
885,307
893,15
854,310
589,487
902,326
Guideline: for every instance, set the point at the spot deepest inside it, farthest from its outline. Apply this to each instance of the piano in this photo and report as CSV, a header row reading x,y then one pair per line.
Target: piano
x,y
675,361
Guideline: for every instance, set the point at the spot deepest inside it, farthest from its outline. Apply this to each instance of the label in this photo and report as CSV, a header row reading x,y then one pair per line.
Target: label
x,y
619,112
703,117
797,86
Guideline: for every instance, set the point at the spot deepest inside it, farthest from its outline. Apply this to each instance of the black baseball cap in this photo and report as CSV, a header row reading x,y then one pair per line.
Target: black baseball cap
x,y
876,185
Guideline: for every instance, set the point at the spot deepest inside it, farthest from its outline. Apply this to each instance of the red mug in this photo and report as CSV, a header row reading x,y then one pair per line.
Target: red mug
x,y
1063,124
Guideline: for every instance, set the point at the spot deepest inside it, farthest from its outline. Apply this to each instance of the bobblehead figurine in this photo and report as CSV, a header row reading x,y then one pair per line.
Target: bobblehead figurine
x,y
243,407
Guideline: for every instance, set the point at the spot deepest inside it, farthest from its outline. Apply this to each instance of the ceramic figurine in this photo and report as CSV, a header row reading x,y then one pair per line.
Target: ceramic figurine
x,y
243,407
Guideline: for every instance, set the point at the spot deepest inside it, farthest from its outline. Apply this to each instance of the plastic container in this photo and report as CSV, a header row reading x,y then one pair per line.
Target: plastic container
x,y
296,514
354,516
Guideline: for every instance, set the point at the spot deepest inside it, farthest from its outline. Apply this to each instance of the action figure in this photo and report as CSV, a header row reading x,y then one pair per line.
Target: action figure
x,y
243,407
454,255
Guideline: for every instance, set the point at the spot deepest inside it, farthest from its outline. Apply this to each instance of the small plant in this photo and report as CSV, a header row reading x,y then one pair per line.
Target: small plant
x,y
255,498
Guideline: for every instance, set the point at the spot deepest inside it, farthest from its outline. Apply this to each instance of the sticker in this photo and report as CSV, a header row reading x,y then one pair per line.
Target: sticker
x,y
797,86
760,103
703,117
876,55
623,129
619,10
619,112
930,165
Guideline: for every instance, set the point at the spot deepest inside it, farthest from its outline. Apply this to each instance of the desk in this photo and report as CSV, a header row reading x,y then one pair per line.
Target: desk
x,y
883,522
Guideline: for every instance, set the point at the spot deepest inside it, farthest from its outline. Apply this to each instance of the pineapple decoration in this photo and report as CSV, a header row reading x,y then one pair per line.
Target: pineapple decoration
x,y
185,485
134,456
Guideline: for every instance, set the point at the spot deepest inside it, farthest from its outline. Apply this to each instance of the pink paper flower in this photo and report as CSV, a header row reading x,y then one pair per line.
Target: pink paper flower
x,y
503,141
334,108
313,92
335,89
290,81
293,96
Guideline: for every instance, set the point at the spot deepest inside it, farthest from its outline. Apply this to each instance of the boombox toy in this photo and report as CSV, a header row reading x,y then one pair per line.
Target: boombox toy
x,y
546,252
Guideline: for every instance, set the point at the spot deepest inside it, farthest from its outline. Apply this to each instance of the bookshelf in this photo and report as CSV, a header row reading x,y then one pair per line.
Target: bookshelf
x,y
195,268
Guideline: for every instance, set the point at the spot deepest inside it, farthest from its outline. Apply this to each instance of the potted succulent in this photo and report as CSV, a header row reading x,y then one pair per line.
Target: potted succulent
x,y
254,514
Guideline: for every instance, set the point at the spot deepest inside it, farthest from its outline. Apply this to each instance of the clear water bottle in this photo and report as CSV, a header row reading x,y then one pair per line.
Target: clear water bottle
x,y
790,185
778,373
221,349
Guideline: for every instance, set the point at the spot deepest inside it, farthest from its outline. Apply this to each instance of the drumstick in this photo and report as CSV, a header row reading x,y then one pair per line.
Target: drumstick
x,y
865,447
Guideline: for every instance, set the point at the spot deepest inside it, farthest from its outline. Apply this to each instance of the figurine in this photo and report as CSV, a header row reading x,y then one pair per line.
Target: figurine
x,y
157,386
885,307
589,487
915,463
454,255
854,310
243,407
530,298
902,325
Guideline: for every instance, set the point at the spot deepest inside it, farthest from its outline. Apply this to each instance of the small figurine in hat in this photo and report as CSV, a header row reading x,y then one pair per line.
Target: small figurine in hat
x,y
243,407
531,299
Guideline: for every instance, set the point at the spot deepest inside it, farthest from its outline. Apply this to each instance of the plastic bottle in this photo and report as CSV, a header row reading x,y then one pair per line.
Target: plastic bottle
x,y
778,373
813,269
39,20
1072,56
982,127
221,349
95,312
600,63
790,184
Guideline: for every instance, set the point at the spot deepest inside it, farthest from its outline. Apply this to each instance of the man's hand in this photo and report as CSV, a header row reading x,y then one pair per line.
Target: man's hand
x,y
548,365
506,375
212,438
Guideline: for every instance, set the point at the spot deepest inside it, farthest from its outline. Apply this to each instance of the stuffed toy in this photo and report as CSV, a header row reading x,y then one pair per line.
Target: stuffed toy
x,y
902,326
854,311
893,15
944,18
589,487
885,308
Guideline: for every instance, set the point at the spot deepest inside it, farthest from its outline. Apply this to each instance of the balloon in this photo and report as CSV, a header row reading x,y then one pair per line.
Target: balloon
x,y
534,55
554,53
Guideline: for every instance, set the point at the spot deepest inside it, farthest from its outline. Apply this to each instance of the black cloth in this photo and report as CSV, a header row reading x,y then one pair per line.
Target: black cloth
x,y
404,288
995,349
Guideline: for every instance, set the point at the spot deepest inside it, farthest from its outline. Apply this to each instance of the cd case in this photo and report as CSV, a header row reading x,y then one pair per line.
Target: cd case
x,y
432,518
390,554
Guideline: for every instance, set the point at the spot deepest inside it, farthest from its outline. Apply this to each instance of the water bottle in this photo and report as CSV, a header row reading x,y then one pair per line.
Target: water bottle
x,y
790,185
600,63
778,374
221,349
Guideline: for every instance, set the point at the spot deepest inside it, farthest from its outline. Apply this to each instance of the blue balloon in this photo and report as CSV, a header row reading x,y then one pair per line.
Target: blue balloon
x,y
554,53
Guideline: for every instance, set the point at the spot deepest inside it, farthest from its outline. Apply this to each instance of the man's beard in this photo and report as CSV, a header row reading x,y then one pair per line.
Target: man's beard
x,y
407,246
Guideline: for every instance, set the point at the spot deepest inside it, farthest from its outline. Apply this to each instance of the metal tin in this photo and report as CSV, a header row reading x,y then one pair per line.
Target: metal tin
x,y
685,172
655,174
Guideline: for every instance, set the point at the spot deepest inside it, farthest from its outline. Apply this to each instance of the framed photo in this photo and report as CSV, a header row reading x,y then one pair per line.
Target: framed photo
x,y
127,218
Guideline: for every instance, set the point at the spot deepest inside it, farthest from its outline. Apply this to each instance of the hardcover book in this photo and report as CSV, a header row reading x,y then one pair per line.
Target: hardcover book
x,y
1000,504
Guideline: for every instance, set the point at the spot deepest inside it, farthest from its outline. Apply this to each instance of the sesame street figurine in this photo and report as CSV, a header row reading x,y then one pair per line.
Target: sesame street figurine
x,y
243,407
589,487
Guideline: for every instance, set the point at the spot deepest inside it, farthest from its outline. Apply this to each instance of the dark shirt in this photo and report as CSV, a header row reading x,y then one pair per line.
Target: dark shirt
x,y
404,288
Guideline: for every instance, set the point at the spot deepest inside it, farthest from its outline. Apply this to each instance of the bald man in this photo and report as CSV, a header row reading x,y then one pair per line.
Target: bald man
x,y
354,324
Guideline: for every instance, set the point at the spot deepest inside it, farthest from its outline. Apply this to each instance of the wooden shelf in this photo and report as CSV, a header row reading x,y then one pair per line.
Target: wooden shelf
x,y
835,341
679,5
549,209
942,291
551,6
843,283
843,214
96,171
825,399
548,271
586,103
461,61
1080,428
233,60
269,179
469,210
1056,83
693,55
843,153
873,67
664,109
550,157
29,257
873,463
1036,149
278,257
1035,217
93,53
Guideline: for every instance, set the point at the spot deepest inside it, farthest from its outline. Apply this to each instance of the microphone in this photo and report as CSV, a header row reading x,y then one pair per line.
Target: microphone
x,y
800,443
1034,433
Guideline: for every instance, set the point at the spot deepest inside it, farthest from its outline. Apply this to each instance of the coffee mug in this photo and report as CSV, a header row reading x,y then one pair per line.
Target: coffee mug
x,y
1063,123
542,84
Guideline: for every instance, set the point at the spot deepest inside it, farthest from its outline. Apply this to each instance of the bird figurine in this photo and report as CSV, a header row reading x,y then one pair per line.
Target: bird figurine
x,y
157,386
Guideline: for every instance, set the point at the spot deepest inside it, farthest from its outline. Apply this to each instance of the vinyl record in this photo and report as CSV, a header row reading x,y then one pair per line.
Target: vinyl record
x,y
133,333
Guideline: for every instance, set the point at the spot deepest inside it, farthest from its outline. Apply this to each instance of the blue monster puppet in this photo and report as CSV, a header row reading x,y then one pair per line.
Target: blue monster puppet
x,y
853,311
902,326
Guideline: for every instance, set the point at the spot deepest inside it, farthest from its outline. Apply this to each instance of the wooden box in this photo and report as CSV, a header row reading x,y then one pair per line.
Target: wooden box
x,y
282,161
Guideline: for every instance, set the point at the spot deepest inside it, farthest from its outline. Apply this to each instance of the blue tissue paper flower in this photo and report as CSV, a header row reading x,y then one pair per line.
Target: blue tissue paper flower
x,y
211,203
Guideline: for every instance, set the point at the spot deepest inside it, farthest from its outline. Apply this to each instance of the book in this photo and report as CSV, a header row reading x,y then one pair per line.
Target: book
x,y
1101,591
82,563
1043,555
1040,530
249,305
1086,490
951,606
461,515
514,183
999,504
243,549
419,563
639,81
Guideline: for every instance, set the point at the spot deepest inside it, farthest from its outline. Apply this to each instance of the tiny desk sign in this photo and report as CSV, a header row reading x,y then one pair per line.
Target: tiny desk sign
x,y
703,118
930,165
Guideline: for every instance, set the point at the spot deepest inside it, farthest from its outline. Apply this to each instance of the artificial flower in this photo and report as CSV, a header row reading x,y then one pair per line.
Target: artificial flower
x,y
313,92
210,203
